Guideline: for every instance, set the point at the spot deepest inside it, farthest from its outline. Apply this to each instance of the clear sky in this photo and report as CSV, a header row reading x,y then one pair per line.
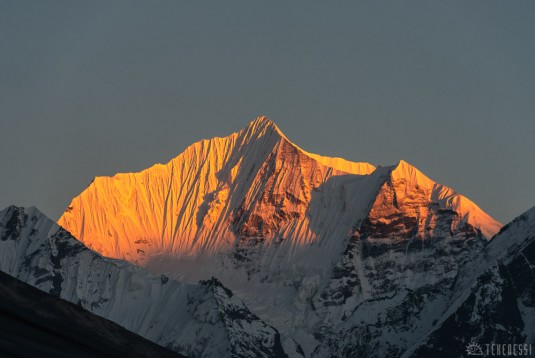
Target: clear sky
x,y
91,88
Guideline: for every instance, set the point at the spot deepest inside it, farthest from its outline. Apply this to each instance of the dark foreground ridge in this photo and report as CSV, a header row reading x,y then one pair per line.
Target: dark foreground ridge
x,y
37,324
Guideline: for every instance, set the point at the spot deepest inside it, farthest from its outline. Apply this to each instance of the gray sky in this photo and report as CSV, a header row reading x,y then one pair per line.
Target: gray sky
x,y
94,88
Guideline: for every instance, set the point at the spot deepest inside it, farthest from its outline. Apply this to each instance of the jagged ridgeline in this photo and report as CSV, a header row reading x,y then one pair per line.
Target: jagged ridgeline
x,y
257,188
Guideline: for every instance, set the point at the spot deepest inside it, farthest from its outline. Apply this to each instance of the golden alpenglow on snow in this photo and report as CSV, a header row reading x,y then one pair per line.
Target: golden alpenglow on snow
x,y
253,185
222,193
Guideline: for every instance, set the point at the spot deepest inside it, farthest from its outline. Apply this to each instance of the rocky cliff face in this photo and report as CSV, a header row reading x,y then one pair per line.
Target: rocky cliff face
x,y
196,320
319,247
498,306
431,300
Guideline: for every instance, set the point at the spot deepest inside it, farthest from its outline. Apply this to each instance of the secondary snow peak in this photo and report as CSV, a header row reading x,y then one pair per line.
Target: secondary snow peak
x,y
412,183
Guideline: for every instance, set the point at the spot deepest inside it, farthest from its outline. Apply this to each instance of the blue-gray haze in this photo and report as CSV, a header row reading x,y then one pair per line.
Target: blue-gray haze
x,y
90,88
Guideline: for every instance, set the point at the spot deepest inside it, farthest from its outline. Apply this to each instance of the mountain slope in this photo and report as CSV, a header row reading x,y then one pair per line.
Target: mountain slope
x,y
34,324
430,299
499,306
196,320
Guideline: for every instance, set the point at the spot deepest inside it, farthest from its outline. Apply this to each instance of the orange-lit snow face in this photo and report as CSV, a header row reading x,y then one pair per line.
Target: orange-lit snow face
x,y
252,186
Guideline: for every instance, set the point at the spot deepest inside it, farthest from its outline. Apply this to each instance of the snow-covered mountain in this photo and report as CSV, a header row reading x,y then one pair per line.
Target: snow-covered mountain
x,y
221,194
196,320
305,240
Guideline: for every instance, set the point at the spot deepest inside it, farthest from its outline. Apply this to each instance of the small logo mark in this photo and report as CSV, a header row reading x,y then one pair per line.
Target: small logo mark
x,y
474,349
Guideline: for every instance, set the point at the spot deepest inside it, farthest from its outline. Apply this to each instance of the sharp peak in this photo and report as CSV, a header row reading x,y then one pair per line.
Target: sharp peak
x,y
263,124
23,210
262,121
16,207
408,171
404,166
